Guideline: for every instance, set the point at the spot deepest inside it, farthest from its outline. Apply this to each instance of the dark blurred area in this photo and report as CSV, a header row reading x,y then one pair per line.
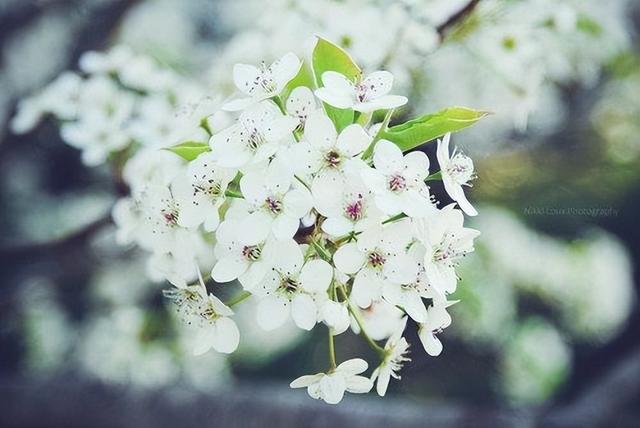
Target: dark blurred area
x,y
545,334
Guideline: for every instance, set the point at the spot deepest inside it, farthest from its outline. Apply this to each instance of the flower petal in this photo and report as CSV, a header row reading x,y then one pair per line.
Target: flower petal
x,y
304,312
349,259
272,312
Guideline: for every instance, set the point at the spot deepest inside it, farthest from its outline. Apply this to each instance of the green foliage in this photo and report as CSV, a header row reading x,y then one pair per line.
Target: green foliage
x,y
190,150
329,57
415,132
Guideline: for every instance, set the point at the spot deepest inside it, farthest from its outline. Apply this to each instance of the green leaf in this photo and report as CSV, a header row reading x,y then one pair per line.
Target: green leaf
x,y
303,78
330,57
190,150
588,25
425,128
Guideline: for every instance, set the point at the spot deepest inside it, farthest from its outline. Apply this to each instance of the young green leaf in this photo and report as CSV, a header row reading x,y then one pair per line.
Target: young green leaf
x,y
329,57
189,150
425,128
303,78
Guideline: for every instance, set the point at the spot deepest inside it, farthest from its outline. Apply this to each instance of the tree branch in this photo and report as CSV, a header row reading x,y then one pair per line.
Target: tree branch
x,y
456,18
39,249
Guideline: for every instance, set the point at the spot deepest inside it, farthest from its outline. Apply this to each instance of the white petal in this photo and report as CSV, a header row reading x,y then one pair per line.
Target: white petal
x,y
337,226
304,312
285,69
384,376
386,102
254,228
285,226
306,380
227,335
349,259
338,83
353,140
367,287
387,157
320,131
358,384
353,367
245,77
272,312
316,276
430,342
334,99
414,307
333,388
229,268
298,202
301,102
377,84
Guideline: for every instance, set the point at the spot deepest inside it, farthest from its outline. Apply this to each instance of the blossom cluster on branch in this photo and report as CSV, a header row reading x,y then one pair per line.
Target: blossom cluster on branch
x,y
298,190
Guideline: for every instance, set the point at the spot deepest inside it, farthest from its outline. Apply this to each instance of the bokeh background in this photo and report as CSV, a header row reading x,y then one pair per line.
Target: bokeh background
x,y
546,330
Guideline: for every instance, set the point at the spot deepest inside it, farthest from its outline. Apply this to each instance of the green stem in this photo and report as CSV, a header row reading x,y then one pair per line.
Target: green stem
x,y
243,295
279,103
383,128
355,312
395,218
434,176
303,182
321,251
233,194
332,350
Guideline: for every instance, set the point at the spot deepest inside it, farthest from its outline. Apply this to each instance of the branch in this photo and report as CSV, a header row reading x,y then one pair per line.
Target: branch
x,y
456,18
604,401
44,248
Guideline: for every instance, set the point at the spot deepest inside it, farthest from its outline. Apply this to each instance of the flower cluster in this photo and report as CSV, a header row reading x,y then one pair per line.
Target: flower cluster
x,y
298,191
118,99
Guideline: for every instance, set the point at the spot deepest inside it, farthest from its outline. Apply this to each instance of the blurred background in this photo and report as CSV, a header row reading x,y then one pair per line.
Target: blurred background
x,y
546,330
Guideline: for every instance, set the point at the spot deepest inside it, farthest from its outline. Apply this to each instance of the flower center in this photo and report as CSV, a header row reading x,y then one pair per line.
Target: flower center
x,y
362,91
289,285
170,217
447,253
333,159
209,313
273,205
354,210
252,252
397,183
461,168
376,259
256,139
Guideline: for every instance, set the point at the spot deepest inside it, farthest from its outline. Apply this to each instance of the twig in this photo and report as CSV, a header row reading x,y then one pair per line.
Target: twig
x,y
37,249
456,18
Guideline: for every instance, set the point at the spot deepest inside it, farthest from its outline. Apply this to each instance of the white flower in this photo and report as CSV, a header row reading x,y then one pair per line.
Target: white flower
x,y
366,95
335,315
457,171
256,136
209,316
409,295
378,256
275,203
324,153
437,319
201,191
263,82
289,288
398,182
300,104
330,387
246,261
445,242
395,350
347,204
381,319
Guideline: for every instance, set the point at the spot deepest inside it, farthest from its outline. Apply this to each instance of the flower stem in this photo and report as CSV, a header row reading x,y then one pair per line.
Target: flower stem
x,y
355,312
332,350
434,176
321,251
385,125
233,194
238,298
